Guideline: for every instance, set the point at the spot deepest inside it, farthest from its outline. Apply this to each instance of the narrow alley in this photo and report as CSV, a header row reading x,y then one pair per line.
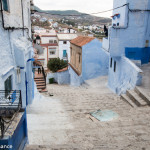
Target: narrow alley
x,y
60,119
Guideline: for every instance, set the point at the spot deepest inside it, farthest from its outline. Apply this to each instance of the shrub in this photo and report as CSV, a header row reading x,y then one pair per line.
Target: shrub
x,y
56,64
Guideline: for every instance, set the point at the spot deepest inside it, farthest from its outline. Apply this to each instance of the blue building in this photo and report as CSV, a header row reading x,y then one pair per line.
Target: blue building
x,y
88,60
129,42
16,77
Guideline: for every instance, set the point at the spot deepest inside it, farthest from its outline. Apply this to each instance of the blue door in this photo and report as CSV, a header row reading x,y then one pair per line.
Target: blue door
x,y
64,53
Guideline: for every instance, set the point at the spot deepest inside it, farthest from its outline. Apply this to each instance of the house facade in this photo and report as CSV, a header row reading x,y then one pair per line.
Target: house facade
x,y
16,61
88,59
49,45
64,45
128,44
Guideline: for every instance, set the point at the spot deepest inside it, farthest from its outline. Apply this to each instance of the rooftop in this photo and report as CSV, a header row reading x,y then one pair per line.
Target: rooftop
x,y
68,36
82,40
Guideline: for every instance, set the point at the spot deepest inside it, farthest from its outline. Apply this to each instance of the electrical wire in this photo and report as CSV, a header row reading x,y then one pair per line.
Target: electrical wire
x,y
85,14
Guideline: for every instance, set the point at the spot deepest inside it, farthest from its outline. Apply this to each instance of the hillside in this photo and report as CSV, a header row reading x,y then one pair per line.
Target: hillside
x,y
74,15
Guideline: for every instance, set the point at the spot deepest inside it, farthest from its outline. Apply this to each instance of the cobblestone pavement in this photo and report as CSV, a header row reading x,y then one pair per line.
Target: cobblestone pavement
x,y
61,121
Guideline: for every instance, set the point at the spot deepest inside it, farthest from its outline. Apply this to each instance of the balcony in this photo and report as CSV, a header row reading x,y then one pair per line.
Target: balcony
x,y
10,104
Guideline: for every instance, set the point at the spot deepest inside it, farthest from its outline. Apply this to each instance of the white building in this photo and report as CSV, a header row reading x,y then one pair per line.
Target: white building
x,y
49,44
64,45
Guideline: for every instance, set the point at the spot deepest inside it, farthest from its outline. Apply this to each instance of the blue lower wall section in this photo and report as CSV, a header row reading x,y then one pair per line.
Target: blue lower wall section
x,y
142,54
63,77
95,60
75,80
19,138
60,77
126,76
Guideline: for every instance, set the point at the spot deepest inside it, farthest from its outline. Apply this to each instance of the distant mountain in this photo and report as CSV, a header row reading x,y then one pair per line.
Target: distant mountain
x,y
83,19
57,12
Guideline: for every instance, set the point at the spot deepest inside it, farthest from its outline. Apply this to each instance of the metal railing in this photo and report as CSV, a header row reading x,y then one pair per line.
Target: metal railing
x,y
44,75
10,104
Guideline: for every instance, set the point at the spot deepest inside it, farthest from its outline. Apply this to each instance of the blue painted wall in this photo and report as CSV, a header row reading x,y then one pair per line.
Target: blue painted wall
x,y
75,80
126,76
142,54
63,77
95,60
19,138
59,77
130,41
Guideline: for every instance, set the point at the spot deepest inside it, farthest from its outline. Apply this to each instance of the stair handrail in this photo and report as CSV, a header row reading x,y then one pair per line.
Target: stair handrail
x,y
44,75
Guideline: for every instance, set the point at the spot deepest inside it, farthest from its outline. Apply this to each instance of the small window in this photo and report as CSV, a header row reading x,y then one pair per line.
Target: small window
x,y
114,66
79,58
64,42
52,52
5,5
55,41
50,41
8,85
111,63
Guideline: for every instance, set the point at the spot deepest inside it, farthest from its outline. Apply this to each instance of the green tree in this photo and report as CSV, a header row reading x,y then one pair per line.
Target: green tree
x,y
56,64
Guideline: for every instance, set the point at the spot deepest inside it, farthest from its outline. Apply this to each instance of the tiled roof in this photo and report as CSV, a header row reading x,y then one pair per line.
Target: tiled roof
x,y
81,40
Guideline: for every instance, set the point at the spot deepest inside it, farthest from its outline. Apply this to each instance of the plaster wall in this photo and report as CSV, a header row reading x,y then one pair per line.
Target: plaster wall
x,y
59,77
45,40
132,35
126,76
13,18
75,80
95,60
131,41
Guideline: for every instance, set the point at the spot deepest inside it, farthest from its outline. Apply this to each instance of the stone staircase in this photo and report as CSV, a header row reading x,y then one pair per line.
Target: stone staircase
x,y
40,83
136,98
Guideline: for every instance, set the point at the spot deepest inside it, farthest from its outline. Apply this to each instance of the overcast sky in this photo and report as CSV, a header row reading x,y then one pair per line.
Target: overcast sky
x,y
85,6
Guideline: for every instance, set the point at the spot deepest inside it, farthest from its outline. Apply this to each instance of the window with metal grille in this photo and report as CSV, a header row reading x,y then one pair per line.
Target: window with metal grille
x,y
52,51
5,5
8,85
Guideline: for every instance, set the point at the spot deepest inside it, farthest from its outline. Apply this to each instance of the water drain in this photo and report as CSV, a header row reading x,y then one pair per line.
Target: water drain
x,y
104,115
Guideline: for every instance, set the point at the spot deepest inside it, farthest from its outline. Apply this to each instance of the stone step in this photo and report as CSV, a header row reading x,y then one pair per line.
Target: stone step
x,y
56,147
128,100
37,80
40,84
41,87
136,98
43,91
141,93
